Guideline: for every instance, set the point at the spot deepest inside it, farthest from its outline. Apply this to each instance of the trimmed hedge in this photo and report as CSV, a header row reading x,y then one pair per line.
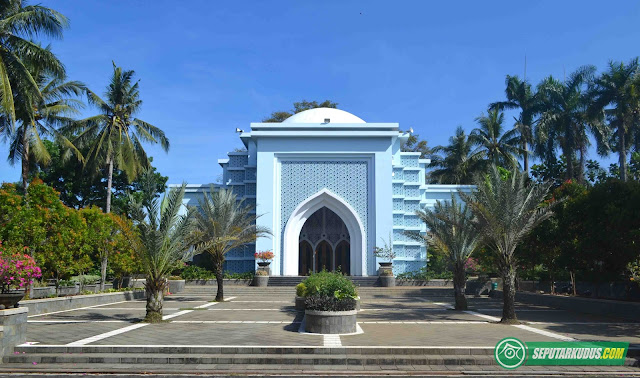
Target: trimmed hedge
x,y
325,291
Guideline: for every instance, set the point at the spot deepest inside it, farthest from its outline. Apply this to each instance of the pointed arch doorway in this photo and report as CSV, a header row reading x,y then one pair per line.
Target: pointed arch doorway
x,y
298,218
324,244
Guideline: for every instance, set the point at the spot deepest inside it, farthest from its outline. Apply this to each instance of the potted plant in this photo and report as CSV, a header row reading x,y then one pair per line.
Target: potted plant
x,y
385,271
261,278
330,303
264,258
17,271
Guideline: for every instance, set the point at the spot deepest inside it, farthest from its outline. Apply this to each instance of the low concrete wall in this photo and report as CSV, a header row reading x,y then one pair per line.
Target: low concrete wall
x,y
435,282
603,307
13,323
42,306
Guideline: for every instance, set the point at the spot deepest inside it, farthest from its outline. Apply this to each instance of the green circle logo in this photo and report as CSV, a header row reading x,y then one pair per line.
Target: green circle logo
x,y
510,353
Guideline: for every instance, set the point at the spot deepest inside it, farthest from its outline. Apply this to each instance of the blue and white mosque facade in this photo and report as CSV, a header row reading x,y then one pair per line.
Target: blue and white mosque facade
x,y
330,187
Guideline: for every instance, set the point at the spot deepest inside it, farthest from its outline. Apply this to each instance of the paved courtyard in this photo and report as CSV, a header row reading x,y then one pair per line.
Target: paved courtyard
x,y
394,318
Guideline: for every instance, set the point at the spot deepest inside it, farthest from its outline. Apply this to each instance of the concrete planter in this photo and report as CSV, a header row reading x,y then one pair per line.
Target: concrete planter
x,y
387,281
41,306
330,322
301,306
10,300
261,281
43,292
68,290
176,286
13,322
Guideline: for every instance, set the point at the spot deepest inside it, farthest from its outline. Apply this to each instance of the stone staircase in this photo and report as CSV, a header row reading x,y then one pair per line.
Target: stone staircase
x,y
274,360
277,281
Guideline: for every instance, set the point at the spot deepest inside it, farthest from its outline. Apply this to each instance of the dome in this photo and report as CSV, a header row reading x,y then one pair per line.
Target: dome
x,y
320,115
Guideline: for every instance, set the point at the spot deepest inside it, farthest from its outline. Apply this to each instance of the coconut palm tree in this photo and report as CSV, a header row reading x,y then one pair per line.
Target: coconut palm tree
x,y
222,223
19,23
115,136
455,163
616,95
40,115
161,240
520,96
505,211
565,120
497,147
452,232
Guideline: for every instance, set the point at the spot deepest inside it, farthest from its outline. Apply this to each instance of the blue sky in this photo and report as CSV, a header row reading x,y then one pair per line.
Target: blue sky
x,y
208,67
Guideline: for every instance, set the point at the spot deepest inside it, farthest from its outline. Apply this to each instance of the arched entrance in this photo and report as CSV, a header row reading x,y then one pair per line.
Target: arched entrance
x,y
324,244
299,217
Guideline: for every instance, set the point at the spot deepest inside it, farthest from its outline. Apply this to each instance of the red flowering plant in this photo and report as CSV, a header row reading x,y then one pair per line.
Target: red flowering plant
x,y
264,256
17,269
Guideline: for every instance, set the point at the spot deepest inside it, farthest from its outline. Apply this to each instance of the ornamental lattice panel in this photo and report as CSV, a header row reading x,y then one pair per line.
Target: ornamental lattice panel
x,y
300,180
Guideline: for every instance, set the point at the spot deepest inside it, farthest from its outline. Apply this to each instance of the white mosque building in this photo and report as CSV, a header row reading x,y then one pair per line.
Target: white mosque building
x,y
330,187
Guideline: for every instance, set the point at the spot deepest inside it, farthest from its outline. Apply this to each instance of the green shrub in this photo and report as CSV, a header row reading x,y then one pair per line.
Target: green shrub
x,y
86,279
425,275
330,285
324,303
238,276
194,272
301,290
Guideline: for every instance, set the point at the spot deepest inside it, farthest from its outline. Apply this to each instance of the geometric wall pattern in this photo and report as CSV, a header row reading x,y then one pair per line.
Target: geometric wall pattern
x,y
348,179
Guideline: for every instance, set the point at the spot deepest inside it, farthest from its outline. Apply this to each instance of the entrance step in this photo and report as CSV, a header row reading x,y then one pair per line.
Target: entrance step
x,y
289,291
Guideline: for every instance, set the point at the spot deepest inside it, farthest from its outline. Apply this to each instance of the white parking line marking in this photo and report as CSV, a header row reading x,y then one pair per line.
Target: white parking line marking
x,y
107,334
166,317
332,341
545,333
233,322
207,305
73,309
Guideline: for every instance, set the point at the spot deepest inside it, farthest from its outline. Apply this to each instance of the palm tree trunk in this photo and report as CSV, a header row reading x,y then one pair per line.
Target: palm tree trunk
x,y
217,270
509,295
622,151
103,271
109,184
459,286
525,158
25,162
155,299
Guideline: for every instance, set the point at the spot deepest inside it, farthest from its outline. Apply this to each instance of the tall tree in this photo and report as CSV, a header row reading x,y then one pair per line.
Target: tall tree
x,y
299,107
505,210
19,24
452,232
415,144
161,241
566,120
616,95
40,114
78,189
223,223
497,147
520,96
455,163
115,136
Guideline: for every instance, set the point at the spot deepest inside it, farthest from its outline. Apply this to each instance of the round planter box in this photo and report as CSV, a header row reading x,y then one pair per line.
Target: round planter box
x,y
385,264
330,322
176,286
387,281
300,303
10,300
264,264
261,281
